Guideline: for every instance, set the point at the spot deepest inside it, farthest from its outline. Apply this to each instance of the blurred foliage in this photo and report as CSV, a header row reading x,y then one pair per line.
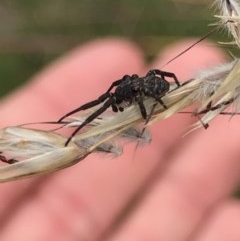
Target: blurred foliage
x,y
34,32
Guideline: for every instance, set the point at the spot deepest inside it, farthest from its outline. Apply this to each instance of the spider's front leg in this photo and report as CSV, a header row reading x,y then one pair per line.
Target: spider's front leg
x,y
98,101
118,82
86,106
93,116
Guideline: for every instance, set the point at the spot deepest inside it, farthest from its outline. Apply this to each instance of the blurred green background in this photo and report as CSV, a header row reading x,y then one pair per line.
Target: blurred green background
x,y
34,32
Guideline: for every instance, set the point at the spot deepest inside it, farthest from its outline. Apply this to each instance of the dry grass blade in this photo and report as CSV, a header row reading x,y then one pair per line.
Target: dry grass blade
x,y
230,14
41,151
229,85
45,163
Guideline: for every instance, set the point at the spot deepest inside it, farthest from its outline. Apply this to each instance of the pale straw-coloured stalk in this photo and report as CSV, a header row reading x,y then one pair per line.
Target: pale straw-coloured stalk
x,y
230,14
38,151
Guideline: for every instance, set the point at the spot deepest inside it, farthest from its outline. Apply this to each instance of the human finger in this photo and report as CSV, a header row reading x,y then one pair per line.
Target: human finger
x,y
222,224
202,172
108,176
77,77
57,88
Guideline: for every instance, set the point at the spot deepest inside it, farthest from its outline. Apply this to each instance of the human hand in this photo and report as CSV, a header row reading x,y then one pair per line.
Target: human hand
x,y
176,189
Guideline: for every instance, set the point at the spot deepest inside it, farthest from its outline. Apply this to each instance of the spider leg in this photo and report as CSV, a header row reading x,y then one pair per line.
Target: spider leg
x,y
159,100
118,82
164,74
148,119
93,103
88,105
93,116
142,108
162,103
146,122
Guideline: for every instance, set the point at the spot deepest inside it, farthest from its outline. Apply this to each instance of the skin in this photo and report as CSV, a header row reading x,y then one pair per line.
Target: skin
x,y
174,189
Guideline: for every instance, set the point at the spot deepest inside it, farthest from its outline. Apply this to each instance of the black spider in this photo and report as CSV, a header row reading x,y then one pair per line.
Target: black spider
x,y
129,89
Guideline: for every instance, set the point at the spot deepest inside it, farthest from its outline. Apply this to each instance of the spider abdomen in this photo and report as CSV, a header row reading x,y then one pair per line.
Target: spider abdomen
x,y
156,87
